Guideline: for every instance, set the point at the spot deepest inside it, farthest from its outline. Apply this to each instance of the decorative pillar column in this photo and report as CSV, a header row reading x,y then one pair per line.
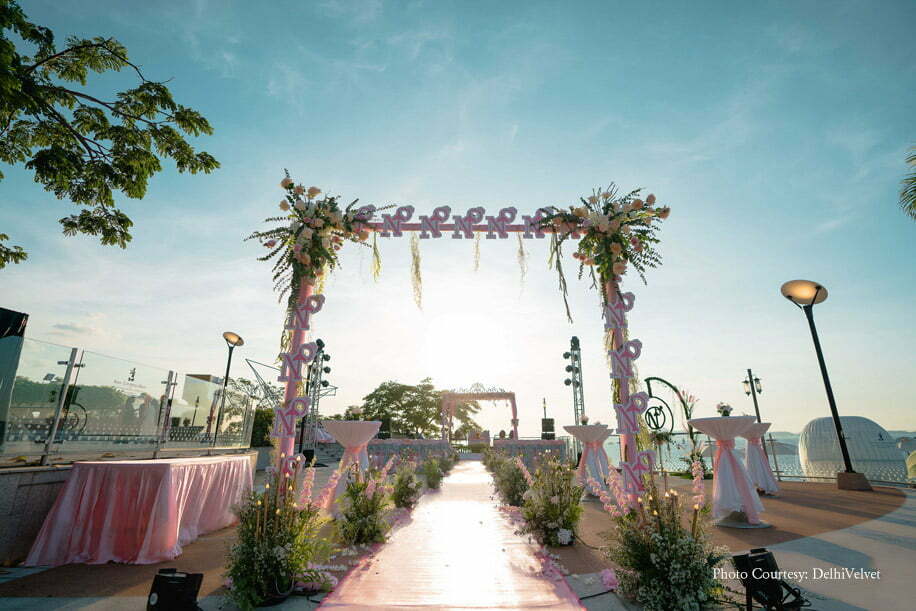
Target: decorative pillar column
x,y
293,369
628,407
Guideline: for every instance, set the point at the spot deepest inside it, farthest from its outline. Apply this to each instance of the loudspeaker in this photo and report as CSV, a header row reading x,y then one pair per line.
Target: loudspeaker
x,y
174,591
759,576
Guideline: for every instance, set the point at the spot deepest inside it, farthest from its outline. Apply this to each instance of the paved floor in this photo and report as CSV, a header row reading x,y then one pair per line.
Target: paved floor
x,y
471,558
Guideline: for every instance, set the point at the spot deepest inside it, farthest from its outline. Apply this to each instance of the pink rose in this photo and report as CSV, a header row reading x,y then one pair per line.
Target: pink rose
x,y
620,268
664,212
286,182
651,199
313,191
284,206
609,579
270,243
299,190
637,204
616,248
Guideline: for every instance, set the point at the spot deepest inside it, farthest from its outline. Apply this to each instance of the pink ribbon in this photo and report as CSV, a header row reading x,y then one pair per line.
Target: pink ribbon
x,y
351,454
724,448
591,447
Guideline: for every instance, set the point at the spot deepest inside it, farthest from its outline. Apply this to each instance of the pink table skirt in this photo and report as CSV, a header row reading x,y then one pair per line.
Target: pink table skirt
x,y
139,511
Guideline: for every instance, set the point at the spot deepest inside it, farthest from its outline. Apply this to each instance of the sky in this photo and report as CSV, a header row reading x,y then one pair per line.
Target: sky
x,y
777,133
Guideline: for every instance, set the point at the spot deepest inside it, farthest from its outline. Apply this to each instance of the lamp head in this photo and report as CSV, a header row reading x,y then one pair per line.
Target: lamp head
x,y
233,339
757,385
804,292
747,387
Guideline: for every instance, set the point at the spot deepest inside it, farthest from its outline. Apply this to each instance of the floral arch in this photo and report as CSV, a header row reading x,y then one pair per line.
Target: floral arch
x,y
477,392
613,233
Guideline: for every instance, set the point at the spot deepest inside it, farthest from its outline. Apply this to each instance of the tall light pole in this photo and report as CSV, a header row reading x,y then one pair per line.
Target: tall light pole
x,y
232,340
804,294
752,387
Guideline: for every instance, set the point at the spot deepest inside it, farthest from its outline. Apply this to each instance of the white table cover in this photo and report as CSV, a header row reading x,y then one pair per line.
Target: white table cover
x,y
732,486
758,467
594,462
354,436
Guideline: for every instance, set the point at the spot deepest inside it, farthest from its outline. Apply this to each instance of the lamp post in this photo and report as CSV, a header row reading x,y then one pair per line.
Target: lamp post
x,y
752,387
232,340
804,294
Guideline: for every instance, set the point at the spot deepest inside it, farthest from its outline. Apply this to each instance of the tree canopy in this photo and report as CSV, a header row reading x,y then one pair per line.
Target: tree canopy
x,y
81,146
414,410
908,188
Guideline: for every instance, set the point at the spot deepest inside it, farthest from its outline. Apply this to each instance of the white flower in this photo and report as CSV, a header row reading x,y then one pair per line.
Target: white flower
x,y
564,536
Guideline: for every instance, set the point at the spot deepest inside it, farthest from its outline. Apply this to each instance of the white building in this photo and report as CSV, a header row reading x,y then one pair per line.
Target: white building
x,y
872,450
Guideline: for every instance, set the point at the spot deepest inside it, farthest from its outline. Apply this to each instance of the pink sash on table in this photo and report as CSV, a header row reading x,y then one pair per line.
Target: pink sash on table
x,y
734,475
593,463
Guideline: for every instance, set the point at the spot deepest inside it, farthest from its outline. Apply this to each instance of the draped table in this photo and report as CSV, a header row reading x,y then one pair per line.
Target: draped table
x,y
354,436
139,511
735,500
593,462
758,466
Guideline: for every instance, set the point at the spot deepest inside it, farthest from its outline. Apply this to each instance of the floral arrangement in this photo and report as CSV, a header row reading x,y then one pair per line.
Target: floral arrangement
x,y
550,506
724,409
666,558
510,481
432,473
278,544
313,227
616,232
406,489
362,509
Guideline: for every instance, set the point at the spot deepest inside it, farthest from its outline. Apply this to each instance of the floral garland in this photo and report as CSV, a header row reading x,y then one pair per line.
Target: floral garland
x,y
616,231
306,242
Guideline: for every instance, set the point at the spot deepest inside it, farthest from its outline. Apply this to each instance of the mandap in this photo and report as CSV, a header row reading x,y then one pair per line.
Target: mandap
x,y
612,233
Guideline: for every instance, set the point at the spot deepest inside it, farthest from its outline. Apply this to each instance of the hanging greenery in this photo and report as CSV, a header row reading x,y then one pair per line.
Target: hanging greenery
x,y
616,232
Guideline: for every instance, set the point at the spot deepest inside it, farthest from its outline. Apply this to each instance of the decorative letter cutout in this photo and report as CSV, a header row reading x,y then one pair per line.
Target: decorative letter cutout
x,y
498,223
466,223
285,420
391,224
299,321
430,224
622,359
291,362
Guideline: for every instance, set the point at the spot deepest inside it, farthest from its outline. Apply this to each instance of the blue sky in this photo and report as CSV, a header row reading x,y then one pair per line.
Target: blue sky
x,y
775,131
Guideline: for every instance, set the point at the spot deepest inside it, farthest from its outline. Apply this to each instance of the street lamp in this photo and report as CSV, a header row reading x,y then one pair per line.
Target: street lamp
x,y
232,340
805,294
752,387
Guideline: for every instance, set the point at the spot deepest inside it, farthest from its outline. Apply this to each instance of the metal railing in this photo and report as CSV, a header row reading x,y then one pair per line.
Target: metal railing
x,y
63,401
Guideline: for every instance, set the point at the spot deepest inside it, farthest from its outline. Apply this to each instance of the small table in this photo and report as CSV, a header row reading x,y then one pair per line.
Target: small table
x,y
755,458
139,511
354,436
735,501
594,461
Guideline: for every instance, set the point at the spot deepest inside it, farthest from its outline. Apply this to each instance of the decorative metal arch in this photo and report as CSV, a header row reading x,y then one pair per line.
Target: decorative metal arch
x,y
656,413
475,392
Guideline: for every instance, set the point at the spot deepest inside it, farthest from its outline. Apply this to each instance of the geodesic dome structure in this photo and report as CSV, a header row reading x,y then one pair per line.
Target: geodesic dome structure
x,y
872,450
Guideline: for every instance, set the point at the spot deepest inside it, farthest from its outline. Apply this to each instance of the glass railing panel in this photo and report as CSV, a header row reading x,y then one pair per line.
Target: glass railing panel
x,y
37,381
114,406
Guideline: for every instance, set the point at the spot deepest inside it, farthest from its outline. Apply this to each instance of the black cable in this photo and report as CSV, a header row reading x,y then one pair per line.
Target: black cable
x,y
595,595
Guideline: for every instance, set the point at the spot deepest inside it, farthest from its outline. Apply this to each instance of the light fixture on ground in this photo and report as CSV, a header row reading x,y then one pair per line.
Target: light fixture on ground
x,y
805,294
232,341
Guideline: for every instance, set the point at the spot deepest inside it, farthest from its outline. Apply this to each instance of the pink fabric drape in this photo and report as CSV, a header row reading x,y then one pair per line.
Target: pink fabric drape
x,y
728,470
758,467
139,512
594,460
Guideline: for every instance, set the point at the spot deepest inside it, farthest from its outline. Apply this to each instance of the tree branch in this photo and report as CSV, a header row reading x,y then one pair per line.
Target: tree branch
x,y
32,68
111,107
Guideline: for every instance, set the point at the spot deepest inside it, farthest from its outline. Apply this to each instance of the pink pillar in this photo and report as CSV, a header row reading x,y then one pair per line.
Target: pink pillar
x,y
288,444
622,396
514,417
